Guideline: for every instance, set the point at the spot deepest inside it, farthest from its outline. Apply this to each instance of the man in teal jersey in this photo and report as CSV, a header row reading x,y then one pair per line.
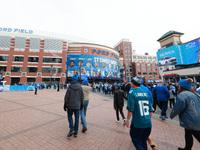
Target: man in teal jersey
x,y
140,108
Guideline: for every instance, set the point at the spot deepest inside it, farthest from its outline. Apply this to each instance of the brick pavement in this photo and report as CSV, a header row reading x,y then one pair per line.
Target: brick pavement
x,y
38,122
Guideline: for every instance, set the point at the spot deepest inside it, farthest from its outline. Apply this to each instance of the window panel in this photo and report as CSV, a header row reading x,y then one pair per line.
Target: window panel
x,y
16,69
33,59
3,58
18,58
32,69
52,60
3,68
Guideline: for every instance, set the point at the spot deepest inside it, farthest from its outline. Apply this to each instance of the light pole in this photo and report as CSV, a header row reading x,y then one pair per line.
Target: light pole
x,y
80,73
51,75
154,77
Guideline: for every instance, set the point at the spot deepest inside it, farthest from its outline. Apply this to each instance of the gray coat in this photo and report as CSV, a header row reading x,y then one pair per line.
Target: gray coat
x,y
74,96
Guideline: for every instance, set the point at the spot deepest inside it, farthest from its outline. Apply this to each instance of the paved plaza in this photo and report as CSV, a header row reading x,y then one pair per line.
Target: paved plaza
x,y
38,122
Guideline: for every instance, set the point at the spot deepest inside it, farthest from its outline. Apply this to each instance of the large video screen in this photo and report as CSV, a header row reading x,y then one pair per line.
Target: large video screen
x,y
92,66
180,54
170,56
191,52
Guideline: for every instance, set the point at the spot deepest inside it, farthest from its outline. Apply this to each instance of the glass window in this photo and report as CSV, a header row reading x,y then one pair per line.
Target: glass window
x,y
155,73
154,65
32,69
144,73
144,69
139,73
3,68
33,59
148,64
16,69
154,58
154,69
143,64
134,57
138,69
3,58
52,60
138,64
18,58
48,70
139,57
150,73
149,69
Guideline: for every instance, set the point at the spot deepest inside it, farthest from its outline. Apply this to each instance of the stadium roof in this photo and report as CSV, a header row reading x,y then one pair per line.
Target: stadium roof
x,y
169,33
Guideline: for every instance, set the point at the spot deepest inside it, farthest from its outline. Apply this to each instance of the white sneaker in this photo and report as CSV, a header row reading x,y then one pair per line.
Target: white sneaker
x,y
117,121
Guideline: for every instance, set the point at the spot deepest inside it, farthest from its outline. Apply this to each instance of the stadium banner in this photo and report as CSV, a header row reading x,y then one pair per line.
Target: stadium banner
x,y
92,66
191,52
17,88
170,56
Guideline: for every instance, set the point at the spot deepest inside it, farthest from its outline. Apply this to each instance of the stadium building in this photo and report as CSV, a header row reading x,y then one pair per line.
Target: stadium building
x,y
28,56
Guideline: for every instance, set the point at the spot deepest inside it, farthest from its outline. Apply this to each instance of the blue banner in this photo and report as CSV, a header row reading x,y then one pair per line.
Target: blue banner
x,y
92,66
17,87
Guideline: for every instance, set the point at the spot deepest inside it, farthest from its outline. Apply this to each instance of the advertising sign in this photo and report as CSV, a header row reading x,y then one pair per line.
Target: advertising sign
x,y
180,54
191,52
170,56
92,66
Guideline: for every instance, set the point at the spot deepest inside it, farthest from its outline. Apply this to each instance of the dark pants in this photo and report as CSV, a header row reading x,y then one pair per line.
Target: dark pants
x,y
163,105
156,102
189,138
139,137
35,90
121,112
70,119
171,102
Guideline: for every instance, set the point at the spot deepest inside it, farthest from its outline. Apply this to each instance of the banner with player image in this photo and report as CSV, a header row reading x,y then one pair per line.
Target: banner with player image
x,y
92,66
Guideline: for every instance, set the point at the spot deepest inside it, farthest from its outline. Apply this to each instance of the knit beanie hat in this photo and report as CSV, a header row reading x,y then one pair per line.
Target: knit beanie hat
x,y
137,80
84,82
185,84
118,85
75,78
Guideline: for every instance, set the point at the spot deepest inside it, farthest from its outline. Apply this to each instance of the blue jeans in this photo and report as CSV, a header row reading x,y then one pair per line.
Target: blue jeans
x,y
83,113
139,137
70,119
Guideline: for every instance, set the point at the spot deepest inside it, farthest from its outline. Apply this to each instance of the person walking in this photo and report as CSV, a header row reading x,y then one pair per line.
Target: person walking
x,y
119,96
58,89
162,94
86,92
150,138
36,87
187,106
73,104
139,107
172,96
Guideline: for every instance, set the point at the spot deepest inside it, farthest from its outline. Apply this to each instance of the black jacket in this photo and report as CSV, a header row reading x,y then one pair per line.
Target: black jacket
x,y
119,98
74,96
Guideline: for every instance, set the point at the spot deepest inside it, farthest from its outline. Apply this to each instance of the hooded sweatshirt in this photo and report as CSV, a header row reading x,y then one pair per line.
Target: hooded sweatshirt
x,y
74,96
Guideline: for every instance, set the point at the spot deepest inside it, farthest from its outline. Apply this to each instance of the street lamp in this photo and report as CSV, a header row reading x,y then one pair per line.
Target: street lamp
x,y
80,73
154,77
51,75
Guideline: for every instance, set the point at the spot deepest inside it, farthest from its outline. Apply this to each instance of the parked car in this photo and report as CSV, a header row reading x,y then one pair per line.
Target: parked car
x,y
167,61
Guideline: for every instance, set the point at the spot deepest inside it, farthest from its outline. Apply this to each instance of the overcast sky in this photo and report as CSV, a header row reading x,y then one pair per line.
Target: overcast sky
x,y
106,21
